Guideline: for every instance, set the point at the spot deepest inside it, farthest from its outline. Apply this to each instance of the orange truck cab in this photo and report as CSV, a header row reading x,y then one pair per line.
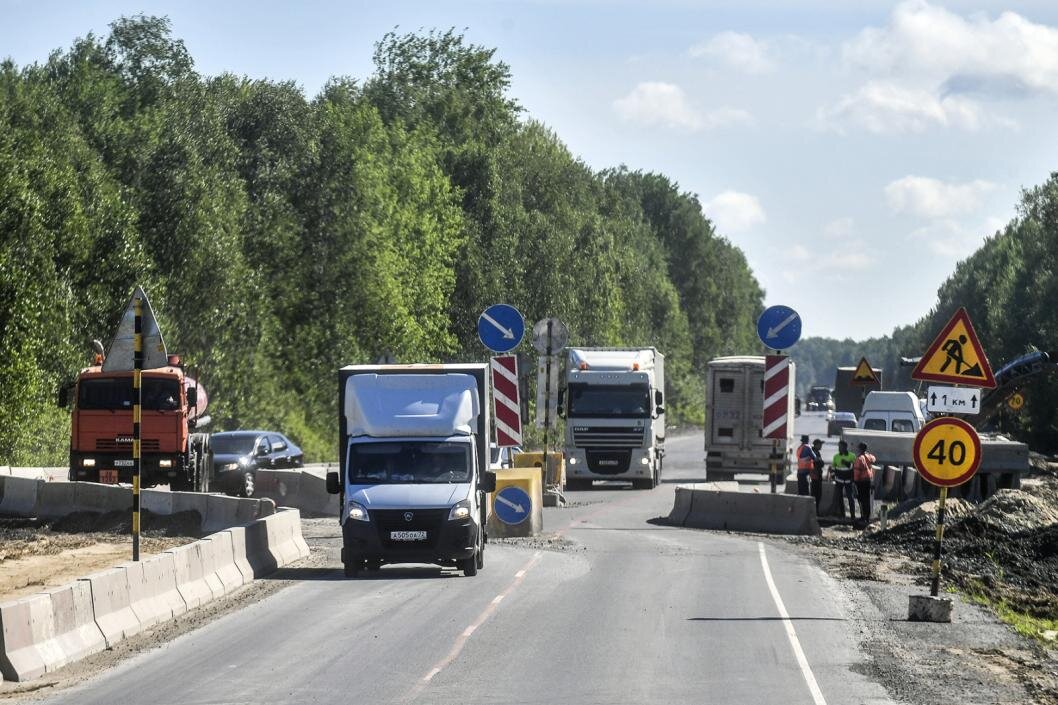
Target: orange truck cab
x,y
101,427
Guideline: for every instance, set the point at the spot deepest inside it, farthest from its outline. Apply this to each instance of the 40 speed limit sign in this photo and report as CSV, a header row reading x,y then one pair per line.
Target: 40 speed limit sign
x,y
947,452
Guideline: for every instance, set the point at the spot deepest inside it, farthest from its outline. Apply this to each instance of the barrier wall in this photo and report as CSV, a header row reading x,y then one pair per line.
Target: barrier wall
x,y
43,632
703,507
304,489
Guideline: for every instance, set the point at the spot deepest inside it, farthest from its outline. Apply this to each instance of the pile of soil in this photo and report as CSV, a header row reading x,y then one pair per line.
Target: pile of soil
x,y
1006,547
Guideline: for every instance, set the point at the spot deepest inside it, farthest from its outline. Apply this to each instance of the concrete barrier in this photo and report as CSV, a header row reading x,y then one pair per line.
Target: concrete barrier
x,y
56,499
222,512
302,490
163,580
190,579
27,638
746,511
19,495
112,605
147,591
94,497
239,557
157,501
76,633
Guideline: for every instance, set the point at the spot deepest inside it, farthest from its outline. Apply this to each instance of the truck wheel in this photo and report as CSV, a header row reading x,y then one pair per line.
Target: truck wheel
x,y
352,569
469,566
247,485
374,566
643,484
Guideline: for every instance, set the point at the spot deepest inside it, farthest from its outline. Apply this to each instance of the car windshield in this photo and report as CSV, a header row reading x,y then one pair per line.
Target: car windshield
x,y
608,400
233,442
409,462
115,393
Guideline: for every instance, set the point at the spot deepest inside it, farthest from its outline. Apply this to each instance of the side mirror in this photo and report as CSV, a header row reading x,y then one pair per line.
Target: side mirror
x,y
488,482
659,410
659,398
262,450
192,397
333,486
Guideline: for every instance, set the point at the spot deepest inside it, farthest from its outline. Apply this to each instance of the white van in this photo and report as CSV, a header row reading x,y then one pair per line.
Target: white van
x,y
898,412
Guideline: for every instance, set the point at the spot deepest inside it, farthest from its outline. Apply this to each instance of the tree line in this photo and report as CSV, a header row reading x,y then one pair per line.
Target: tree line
x,y
281,236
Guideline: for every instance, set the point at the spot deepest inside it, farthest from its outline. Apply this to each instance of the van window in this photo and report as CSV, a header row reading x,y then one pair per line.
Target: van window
x,y
874,424
902,426
725,432
727,385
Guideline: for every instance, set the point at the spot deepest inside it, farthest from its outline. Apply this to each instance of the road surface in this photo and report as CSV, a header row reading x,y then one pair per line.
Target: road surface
x,y
615,609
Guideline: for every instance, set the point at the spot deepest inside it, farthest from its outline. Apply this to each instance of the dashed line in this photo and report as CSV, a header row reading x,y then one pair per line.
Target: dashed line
x,y
496,600
791,634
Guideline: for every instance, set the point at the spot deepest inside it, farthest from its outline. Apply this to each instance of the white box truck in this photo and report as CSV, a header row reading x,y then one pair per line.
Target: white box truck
x,y
734,412
614,405
413,465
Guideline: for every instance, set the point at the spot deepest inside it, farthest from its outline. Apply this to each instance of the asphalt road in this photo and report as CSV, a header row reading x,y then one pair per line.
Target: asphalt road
x,y
615,609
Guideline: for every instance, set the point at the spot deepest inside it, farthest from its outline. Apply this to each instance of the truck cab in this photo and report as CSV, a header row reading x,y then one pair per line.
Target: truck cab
x,y
413,465
897,412
613,403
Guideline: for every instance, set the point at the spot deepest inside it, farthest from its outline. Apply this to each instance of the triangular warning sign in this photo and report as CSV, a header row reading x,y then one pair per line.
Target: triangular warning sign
x,y
956,356
864,373
119,356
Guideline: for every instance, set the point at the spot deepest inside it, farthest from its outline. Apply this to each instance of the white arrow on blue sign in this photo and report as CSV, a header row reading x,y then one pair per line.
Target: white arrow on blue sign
x,y
512,505
779,327
500,328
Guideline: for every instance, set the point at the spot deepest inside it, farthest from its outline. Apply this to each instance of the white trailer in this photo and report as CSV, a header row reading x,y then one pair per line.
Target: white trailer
x,y
734,412
614,405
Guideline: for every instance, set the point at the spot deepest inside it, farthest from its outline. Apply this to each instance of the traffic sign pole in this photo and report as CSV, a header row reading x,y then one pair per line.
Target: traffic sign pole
x,y
547,413
934,588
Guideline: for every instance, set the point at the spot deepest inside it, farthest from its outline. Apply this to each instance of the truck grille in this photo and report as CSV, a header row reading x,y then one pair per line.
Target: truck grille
x,y
613,462
147,445
607,437
428,520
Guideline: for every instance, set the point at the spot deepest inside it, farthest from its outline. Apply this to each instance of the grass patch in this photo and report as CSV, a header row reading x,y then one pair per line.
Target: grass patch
x,y
1023,623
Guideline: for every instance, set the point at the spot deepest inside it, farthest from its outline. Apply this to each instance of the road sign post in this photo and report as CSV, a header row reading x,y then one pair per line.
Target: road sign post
x,y
505,393
776,416
137,401
549,336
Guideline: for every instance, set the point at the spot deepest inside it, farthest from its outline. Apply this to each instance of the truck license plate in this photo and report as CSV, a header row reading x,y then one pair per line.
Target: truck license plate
x,y
108,477
407,536
124,463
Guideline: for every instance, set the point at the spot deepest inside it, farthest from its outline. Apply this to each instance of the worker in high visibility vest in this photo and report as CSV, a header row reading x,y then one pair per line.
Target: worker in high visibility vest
x,y
863,476
804,466
841,469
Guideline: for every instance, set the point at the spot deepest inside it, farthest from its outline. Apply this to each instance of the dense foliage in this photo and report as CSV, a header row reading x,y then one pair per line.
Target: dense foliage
x,y
280,237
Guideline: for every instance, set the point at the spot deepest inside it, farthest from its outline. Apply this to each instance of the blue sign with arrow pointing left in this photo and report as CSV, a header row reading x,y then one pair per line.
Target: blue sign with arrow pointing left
x,y
500,328
512,505
779,327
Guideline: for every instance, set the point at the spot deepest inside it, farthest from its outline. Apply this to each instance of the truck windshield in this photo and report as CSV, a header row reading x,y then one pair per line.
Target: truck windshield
x,y
115,393
409,462
618,400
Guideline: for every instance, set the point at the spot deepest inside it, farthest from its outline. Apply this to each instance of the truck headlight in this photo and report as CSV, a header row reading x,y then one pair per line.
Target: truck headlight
x,y
644,460
88,462
165,463
355,511
230,466
460,511
572,461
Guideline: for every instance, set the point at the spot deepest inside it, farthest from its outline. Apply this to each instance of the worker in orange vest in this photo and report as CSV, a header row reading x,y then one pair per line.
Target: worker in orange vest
x,y
863,477
804,466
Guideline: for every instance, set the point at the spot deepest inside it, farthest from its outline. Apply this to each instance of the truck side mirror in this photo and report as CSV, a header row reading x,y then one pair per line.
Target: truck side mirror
x,y
488,482
333,486
659,397
659,411
192,397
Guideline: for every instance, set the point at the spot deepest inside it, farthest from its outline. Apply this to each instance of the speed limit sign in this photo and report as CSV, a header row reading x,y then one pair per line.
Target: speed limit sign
x,y
947,452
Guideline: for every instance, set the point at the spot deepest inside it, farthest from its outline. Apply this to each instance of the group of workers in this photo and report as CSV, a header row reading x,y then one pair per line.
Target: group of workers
x,y
853,476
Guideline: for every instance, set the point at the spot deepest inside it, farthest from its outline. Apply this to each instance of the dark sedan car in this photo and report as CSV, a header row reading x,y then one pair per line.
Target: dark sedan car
x,y
238,455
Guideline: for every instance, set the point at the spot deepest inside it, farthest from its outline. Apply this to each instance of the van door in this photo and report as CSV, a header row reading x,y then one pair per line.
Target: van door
x,y
728,395
754,430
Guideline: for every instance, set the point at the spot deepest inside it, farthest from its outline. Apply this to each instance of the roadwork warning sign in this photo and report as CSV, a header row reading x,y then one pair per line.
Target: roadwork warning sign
x,y
864,373
956,356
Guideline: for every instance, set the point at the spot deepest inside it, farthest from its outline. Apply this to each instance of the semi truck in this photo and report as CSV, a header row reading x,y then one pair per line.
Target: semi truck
x,y
849,396
413,465
613,401
734,414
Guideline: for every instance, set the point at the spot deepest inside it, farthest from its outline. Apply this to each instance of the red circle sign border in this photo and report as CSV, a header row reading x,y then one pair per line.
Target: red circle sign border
x,y
947,421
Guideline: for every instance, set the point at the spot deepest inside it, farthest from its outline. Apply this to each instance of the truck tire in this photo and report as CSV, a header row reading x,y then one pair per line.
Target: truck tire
x,y
469,566
352,570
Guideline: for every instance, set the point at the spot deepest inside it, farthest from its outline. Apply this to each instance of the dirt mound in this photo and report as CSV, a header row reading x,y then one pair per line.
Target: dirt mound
x,y
179,524
1016,511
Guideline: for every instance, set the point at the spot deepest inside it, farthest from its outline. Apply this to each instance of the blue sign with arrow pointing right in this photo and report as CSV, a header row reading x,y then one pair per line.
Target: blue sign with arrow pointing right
x,y
500,328
779,327
512,505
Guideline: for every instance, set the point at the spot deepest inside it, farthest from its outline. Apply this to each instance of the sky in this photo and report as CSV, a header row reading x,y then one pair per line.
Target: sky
x,y
855,151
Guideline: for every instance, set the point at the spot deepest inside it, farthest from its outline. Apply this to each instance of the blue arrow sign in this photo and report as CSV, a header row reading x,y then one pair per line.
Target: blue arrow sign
x,y
512,505
779,327
500,328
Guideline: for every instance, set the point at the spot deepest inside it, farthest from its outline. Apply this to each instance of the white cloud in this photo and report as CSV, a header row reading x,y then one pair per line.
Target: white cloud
x,y
1008,54
655,103
838,229
734,211
932,198
950,239
887,107
736,50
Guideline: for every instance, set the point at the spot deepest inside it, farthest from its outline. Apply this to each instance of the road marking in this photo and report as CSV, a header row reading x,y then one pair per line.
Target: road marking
x,y
799,654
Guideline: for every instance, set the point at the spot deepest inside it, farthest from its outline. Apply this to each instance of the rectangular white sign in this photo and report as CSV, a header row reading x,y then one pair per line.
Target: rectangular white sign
x,y
546,390
954,400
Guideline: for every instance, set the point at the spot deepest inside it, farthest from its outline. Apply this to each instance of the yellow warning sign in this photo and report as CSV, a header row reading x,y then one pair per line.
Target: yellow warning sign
x,y
1016,402
956,356
864,373
947,452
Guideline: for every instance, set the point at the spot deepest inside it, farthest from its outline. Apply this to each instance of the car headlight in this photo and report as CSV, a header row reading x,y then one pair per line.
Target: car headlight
x,y
460,511
88,462
245,461
356,511
230,466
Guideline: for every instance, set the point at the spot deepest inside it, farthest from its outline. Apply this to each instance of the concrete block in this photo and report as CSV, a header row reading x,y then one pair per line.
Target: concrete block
x,y
190,502
160,571
681,505
56,499
27,638
528,480
313,498
146,588
190,578
76,633
18,496
224,566
259,555
222,512
248,510
266,507
94,497
112,605
751,511
238,544
156,502
926,608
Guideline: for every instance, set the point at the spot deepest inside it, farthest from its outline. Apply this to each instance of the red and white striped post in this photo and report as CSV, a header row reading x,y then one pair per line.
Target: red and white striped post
x,y
776,407
505,395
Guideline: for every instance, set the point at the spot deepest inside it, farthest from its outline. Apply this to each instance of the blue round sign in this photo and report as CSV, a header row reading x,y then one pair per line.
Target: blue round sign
x,y
512,505
779,327
500,328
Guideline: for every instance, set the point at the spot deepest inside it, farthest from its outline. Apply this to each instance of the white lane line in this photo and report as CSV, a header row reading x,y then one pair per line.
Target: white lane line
x,y
799,654
496,600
